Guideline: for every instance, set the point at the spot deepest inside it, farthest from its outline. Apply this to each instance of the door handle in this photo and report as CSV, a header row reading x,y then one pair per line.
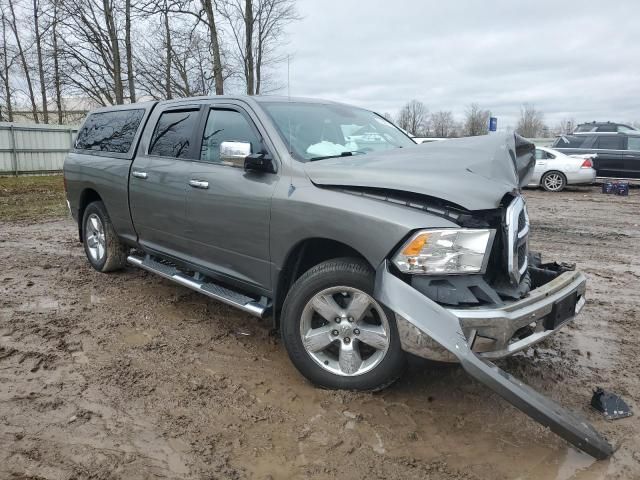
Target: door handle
x,y
138,174
199,184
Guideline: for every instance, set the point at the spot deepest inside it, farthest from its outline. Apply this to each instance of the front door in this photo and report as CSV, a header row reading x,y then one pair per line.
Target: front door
x,y
228,208
159,178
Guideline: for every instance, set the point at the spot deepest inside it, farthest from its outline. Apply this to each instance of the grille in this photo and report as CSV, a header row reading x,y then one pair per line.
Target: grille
x,y
517,224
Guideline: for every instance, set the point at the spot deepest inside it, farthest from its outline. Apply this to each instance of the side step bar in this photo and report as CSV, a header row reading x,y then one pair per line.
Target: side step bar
x,y
201,284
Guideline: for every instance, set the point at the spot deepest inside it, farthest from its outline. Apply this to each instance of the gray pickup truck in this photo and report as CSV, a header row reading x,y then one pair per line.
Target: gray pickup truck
x,y
360,244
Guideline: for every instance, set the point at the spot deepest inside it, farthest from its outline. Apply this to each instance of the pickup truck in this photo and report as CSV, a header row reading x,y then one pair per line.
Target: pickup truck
x,y
361,245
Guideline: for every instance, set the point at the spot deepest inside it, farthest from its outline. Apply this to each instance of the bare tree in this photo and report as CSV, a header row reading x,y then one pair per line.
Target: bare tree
x,y
129,50
38,41
443,124
414,118
163,7
55,53
209,10
5,74
13,24
257,28
531,122
90,50
190,57
476,121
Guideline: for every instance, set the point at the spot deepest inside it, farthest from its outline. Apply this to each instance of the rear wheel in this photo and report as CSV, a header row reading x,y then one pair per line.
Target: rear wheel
x,y
553,181
102,246
337,335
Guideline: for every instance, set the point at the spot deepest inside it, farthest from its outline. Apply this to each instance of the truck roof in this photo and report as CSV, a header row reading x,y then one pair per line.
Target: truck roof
x,y
244,98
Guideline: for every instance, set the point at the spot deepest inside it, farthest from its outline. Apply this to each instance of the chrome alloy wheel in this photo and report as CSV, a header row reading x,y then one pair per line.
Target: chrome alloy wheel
x,y
345,331
95,238
553,182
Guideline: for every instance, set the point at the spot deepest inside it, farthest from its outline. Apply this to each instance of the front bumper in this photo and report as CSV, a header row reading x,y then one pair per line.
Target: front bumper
x,y
500,332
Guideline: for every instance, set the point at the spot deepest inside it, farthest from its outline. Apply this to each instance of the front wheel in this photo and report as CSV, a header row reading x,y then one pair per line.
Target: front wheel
x,y
554,181
336,334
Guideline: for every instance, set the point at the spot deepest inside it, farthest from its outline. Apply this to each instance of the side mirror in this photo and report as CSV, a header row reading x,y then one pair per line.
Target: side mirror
x,y
234,153
259,162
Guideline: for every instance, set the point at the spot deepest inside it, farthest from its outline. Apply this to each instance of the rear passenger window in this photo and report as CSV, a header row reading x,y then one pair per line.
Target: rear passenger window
x,y
172,136
570,141
226,126
610,142
109,131
633,143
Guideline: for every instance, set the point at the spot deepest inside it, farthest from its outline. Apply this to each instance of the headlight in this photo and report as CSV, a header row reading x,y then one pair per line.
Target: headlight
x,y
449,251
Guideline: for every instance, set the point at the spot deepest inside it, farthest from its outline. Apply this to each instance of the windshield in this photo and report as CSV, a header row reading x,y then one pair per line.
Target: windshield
x,y
315,131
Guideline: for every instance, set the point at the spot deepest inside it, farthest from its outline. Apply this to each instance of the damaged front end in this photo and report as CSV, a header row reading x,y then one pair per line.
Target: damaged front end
x,y
514,302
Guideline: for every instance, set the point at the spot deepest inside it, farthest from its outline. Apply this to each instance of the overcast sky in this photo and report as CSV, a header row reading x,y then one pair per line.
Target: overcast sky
x,y
577,59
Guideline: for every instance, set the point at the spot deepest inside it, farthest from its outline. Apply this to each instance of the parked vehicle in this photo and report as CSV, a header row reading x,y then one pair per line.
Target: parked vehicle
x,y
359,243
554,170
601,127
618,154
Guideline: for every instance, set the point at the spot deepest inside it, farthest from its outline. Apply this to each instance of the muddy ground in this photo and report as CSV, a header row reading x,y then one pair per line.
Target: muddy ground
x,y
129,376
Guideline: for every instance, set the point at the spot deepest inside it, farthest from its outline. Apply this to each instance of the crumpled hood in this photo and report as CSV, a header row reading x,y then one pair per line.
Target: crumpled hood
x,y
473,172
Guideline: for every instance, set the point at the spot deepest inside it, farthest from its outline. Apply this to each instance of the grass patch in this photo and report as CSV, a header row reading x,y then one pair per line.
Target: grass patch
x,y
32,198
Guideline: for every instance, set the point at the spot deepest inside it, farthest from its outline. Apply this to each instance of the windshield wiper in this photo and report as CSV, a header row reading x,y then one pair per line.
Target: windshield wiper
x,y
343,154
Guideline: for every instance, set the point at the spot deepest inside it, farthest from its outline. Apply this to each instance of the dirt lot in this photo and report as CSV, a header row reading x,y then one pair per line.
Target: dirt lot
x,y
129,376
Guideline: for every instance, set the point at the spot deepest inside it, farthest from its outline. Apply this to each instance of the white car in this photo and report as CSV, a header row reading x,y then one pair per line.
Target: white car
x,y
555,170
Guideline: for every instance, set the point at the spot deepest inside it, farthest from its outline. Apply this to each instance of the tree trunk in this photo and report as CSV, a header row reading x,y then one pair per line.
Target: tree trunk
x,y
248,28
167,73
129,51
5,72
115,51
56,66
23,60
215,46
43,89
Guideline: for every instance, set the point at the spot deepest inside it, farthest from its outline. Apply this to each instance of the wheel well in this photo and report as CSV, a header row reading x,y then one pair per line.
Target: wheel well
x,y
86,197
304,256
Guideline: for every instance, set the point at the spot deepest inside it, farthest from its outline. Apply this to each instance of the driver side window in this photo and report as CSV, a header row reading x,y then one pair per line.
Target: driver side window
x,y
226,126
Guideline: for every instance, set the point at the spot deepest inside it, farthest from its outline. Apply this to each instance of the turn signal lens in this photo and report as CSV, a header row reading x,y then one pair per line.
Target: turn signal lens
x,y
415,246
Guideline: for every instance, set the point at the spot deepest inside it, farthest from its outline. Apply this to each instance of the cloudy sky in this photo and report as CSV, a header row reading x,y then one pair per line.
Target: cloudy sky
x,y
572,59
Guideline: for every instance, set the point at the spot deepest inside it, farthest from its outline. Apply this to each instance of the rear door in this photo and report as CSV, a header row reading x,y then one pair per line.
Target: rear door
x,y
228,208
631,157
159,178
610,149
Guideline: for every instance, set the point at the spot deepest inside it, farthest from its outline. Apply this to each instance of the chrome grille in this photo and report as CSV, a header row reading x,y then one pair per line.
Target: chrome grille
x,y
517,223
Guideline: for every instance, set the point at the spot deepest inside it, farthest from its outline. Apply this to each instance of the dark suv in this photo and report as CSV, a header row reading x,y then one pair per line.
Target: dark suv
x,y
618,154
609,127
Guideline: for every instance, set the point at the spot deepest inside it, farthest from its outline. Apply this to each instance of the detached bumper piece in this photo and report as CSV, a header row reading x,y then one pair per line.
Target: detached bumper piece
x,y
610,405
422,322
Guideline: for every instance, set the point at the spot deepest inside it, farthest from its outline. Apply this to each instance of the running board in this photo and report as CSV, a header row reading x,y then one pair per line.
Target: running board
x,y
201,284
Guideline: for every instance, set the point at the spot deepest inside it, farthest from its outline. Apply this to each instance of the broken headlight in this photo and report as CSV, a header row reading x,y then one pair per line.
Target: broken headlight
x,y
448,251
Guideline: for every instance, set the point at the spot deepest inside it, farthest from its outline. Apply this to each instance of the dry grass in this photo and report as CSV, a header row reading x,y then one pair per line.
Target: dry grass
x,y
32,198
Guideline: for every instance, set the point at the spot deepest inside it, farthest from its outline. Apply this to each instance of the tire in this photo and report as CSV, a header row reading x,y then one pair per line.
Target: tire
x,y
553,181
371,336
102,246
